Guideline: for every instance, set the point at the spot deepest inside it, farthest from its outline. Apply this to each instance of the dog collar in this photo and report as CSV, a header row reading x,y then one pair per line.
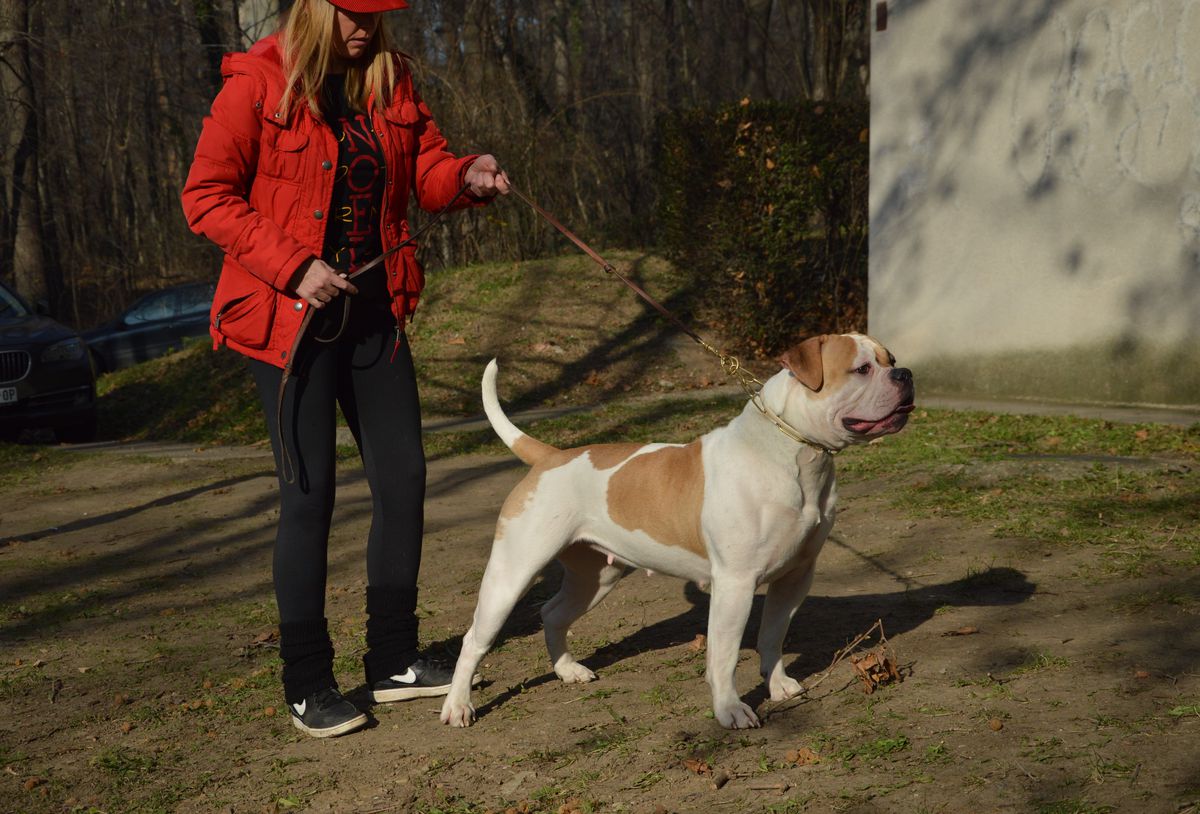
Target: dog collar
x,y
786,428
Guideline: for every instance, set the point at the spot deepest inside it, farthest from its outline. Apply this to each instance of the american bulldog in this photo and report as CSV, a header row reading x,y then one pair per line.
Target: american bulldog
x,y
743,506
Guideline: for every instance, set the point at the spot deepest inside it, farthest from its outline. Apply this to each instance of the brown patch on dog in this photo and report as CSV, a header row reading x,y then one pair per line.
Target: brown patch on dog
x,y
822,363
545,457
838,357
662,493
515,503
883,356
804,361
606,456
532,451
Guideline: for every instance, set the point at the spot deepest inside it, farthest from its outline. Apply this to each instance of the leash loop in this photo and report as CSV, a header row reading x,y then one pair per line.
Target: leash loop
x,y
287,467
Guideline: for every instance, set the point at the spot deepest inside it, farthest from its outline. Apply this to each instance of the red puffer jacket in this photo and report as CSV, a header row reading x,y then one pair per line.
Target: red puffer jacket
x,y
260,188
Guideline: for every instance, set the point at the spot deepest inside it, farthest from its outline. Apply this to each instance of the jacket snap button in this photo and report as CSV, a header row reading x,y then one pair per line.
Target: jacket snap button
x,y
258,105
278,115
318,214
299,306
326,165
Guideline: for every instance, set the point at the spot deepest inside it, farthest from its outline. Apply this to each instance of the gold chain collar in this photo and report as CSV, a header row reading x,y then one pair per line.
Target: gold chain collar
x,y
754,388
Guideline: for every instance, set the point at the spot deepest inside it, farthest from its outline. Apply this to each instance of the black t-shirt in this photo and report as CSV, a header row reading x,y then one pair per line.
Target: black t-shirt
x,y
353,234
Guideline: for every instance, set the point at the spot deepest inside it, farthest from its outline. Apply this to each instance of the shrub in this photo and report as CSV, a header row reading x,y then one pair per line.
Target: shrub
x,y
766,204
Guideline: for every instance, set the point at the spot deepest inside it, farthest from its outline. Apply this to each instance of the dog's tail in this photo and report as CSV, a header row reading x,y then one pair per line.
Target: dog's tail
x,y
529,450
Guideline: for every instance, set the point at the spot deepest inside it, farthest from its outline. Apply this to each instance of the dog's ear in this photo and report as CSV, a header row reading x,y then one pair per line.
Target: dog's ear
x,y
804,361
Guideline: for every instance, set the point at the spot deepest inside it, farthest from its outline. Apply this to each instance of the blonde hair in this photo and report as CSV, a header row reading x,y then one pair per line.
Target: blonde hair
x,y
308,55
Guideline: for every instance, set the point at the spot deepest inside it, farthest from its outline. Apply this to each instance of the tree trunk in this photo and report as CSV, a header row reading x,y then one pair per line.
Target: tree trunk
x,y
21,195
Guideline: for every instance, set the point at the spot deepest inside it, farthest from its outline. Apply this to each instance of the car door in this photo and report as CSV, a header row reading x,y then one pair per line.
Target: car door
x,y
146,330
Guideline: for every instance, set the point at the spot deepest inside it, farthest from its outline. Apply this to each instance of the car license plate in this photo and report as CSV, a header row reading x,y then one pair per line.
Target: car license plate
x,y
8,395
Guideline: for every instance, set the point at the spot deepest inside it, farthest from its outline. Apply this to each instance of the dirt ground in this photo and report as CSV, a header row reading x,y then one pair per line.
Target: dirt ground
x,y
138,667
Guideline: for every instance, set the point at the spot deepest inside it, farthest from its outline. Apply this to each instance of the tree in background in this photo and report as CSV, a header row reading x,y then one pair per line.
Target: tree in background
x,y
103,103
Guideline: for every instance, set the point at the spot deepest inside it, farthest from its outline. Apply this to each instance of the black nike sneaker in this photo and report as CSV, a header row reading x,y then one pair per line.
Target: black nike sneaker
x,y
424,678
327,714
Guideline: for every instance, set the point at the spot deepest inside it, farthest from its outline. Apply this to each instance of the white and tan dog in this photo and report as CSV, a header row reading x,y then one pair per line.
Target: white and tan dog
x,y
742,506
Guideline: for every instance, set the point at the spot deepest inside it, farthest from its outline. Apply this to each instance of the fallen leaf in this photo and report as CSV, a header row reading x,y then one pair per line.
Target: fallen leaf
x,y
874,669
1142,435
697,766
1142,674
456,340
962,631
266,636
802,756
127,727
996,724
697,644
269,712
33,782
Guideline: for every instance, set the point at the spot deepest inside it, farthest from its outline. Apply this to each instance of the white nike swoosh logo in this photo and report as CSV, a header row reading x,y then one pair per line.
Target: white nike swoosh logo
x,y
409,677
300,708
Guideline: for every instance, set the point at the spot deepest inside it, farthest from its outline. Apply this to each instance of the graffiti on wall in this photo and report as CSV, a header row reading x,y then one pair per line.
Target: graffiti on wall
x,y
1113,97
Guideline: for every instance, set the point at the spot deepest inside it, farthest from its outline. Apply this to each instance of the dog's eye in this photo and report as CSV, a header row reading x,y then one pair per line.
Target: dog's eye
x,y
864,370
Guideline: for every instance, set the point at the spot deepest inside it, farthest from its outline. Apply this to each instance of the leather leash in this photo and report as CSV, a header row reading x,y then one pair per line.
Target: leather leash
x,y
287,466
729,363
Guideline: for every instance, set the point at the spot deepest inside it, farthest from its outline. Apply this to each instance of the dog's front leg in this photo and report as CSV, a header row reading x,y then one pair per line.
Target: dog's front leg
x,y
784,596
728,610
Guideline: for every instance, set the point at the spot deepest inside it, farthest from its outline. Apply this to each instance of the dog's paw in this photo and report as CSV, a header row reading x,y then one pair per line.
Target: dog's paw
x,y
574,673
785,688
736,716
457,713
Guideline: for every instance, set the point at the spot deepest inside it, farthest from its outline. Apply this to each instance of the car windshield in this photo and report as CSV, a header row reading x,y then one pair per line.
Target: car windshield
x,y
10,306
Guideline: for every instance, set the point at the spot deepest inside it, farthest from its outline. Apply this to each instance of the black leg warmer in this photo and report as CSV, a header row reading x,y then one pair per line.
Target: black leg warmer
x,y
391,631
307,654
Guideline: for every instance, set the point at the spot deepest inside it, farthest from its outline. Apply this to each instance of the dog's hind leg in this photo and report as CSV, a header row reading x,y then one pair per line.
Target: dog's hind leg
x,y
519,553
784,596
587,579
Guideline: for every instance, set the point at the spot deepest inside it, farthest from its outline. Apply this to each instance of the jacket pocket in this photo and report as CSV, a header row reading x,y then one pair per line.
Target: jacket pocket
x,y
243,309
282,155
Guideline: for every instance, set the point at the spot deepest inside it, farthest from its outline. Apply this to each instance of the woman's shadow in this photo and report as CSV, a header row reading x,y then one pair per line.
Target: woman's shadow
x,y
822,626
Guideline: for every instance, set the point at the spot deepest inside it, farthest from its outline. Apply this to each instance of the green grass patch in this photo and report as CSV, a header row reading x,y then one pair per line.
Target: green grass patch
x,y
1128,491
23,464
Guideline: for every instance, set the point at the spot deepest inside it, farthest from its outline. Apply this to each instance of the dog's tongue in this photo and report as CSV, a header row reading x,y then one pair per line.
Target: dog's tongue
x,y
859,425
862,425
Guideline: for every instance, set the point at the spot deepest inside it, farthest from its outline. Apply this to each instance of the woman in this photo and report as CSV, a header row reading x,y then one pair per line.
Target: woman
x,y
302,175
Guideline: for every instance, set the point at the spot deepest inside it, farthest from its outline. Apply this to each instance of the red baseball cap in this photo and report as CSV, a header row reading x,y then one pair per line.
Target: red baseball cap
x,y
369,6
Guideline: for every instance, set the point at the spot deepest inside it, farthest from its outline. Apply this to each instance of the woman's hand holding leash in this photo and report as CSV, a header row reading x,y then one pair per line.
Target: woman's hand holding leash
x,y
319,283
485,179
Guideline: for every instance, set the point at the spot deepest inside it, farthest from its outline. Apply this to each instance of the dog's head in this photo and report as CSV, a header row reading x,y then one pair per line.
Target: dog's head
x,y
844,389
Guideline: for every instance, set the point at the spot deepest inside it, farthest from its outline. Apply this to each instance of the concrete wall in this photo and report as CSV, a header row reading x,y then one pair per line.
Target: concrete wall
x,y
1035,197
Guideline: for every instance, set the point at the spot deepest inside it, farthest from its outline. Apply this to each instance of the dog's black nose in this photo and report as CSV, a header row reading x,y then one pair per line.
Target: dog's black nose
x,y
901,374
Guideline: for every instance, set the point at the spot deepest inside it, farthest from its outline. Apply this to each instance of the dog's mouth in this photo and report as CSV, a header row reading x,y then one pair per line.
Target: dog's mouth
x,y
892,422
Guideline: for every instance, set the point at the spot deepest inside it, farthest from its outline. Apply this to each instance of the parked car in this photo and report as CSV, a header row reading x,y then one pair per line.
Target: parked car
x,y
153,326
46,376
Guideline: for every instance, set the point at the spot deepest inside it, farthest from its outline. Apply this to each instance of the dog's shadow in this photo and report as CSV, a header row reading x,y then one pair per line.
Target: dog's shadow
x,y
822,626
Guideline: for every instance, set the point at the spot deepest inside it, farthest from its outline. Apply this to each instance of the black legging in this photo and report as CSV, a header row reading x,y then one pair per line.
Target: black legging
x,y
372,378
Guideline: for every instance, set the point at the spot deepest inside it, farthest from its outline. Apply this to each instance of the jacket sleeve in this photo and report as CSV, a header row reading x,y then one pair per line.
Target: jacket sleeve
x,y
439,174
216,194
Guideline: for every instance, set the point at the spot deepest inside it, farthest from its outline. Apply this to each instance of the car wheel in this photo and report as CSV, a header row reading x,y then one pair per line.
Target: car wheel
x,y
77,432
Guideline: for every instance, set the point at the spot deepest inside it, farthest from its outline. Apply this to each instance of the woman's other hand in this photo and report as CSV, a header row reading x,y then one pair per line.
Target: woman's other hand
x,y
319,283
485,179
